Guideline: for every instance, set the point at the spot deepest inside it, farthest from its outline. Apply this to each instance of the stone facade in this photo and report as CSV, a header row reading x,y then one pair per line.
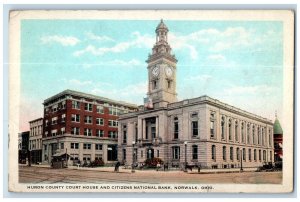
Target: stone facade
x,y
200,131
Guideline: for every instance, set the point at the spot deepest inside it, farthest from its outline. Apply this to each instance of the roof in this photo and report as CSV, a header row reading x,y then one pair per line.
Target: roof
x,y
36,120
89,96
161,25
277,127
201,100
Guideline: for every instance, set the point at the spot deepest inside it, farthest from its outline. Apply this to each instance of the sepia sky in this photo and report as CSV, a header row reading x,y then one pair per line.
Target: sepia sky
x,y
236,62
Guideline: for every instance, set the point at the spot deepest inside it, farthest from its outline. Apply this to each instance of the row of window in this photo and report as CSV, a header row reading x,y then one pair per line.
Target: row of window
x,y
235,127
75,145
112,110
56,107
239,152
176,153
89,120
87,132
260,140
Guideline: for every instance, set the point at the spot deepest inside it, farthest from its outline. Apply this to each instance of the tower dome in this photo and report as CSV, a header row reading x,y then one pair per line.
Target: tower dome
x,y
161,25
277,127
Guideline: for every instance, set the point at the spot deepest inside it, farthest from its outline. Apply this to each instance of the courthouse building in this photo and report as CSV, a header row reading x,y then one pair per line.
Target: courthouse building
x,y
35,140
83,126
200,131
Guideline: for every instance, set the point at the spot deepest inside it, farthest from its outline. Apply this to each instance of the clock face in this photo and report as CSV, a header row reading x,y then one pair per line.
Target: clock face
x,y
155,71
169,71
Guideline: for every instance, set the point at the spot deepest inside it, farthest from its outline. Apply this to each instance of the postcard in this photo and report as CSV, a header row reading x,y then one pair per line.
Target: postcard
x,y
172,101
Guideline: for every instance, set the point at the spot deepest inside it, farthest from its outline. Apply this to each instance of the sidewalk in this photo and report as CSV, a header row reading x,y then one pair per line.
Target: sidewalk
x,y
152,171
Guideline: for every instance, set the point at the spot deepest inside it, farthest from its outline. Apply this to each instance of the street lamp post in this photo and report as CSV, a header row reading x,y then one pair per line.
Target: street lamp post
x,y
185,154
133,157
241,161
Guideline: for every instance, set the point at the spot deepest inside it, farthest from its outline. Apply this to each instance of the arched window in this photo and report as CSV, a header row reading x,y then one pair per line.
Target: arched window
x,y
238,154
213,152
231,153
270,138
224,153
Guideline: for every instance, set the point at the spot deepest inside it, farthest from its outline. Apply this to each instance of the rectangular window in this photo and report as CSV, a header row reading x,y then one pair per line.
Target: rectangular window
x,y
62,145
87,146
244,154
63,105
100,133
249,153
254,154
98,156
88,107
125,136
74,145
259,155
112,123
212,129
157,153
45,147
54,108
99,121
195,152
87,132
75,104
88,119
75,130
98,146
100,109
46,122
75,118
195,128
213,152
176,152
237,154
112,134
176,130
124,154
54,120
264,155
62,130
231,153
63,118
54,132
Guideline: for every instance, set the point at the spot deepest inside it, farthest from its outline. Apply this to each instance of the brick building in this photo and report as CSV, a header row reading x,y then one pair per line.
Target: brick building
x,y
35,140
82,125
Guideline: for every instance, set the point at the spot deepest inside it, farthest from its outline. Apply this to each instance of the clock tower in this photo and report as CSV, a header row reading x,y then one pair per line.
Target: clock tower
x,y
162,70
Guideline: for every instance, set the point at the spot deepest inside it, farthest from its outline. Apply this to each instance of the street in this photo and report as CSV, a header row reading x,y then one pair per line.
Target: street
x,y
42,175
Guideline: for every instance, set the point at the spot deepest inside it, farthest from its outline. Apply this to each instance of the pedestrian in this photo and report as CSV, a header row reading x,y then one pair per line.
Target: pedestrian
x,y
199,168
117,166
157,166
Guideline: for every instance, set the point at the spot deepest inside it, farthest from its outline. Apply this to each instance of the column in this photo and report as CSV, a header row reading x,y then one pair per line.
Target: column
x,y
104,155
144,128
156,126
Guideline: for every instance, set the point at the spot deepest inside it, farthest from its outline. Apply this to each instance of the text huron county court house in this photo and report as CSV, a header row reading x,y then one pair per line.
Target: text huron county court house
x,y
203,131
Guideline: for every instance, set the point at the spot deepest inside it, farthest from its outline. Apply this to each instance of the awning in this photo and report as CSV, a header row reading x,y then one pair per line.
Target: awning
x,y
60,154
